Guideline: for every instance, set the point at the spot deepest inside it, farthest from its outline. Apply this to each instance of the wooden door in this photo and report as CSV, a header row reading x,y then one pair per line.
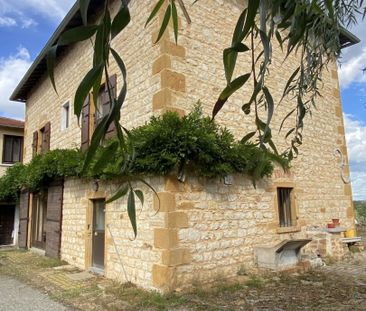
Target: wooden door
x,y
23,218
39,214
54,219
6,224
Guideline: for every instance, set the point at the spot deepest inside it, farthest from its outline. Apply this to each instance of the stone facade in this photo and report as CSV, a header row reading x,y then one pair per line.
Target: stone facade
x,y
200,230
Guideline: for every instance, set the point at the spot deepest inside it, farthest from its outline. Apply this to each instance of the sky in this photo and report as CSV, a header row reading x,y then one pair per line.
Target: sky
x,y
26,25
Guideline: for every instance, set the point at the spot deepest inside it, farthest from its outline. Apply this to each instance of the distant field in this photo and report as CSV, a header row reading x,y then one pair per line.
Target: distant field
x,y
360,207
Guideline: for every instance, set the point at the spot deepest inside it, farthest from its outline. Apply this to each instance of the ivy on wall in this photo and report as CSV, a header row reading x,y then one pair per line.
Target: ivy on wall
x,y
193,144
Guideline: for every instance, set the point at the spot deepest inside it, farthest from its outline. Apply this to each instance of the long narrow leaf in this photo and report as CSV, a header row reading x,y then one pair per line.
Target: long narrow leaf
x,y
228,91
253,6
165,23
154,11
76,34
85,87
119,194
140,195
131,210
122,96
175,20
51,60
121,20
270,108
84,6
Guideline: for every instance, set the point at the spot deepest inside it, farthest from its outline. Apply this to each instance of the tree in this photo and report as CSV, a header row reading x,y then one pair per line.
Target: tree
x,y
310,28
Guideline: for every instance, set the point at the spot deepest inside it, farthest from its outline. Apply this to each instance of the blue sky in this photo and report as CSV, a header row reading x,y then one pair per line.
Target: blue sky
x,y
26,25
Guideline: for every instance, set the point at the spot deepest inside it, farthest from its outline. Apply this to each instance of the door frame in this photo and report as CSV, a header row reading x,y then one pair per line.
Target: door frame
x,y
93,196
42,198
12,234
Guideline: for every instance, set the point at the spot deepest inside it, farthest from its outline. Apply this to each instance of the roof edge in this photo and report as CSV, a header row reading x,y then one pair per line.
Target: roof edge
x,y
44,51
17,96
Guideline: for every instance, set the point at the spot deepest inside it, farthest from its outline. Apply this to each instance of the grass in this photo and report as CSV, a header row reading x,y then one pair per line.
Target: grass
x,y
142,298
255,282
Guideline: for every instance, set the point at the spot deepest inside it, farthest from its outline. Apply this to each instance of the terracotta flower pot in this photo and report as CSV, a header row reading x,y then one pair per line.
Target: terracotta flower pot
x,y
331,226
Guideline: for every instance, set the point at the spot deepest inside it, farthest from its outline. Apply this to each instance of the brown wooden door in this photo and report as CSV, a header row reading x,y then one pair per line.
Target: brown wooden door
x,y
6,224
23,218
54,219
98,234
39,214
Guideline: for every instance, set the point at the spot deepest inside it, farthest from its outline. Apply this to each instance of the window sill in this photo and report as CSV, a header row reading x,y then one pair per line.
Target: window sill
x,y
288,229
6,164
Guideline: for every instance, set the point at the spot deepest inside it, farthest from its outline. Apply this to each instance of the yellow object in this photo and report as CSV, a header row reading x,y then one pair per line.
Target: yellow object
x,y
351,233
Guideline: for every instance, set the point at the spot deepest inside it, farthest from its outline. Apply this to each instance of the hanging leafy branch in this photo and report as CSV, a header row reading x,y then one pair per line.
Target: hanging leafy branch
x,y
310,28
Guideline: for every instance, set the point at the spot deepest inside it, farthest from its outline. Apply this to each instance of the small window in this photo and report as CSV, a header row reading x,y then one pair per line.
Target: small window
x,y
286,206
65,116
12,149
103,105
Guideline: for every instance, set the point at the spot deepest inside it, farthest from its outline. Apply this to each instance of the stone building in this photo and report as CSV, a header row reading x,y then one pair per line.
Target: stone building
x,y
11,146
204,229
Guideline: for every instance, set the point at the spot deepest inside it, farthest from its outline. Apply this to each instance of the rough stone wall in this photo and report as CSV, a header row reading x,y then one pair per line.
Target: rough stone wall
x,y
138,51
204,229
225,223
123,253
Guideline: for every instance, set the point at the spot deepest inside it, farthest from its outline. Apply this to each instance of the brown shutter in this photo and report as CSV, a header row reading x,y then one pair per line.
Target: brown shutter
x,y
35,144
54,219
107,105
46,143
85,112
23,218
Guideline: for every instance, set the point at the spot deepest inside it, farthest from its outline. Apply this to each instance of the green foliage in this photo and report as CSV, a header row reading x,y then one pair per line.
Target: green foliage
x,y
42,170
11,183
45,168
360,207
193,143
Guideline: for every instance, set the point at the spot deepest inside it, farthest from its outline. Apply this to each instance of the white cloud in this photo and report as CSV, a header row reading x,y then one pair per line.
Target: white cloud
x,y
354,58
7,21
54,10
356,142
12,69
28,22
351,70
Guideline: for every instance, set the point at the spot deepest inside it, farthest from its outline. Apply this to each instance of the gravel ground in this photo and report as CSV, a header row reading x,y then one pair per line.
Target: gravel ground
x,y
16,296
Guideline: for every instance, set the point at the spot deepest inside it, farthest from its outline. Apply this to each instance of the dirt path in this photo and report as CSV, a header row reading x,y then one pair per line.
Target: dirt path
x,y
16,296
340,286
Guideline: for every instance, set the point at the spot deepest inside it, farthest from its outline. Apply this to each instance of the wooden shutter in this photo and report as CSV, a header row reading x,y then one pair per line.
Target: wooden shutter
x,y
107,105
35,144
54,219
85,124
23,218
46,143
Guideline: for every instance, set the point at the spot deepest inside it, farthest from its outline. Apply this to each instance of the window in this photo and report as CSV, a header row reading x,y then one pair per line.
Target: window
x,y
12,149
286,208
102,106
45,137
65,116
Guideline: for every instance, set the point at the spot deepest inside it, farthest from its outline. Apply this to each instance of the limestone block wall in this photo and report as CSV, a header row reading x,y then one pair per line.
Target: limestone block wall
x,y
203,229
124,255
137,50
